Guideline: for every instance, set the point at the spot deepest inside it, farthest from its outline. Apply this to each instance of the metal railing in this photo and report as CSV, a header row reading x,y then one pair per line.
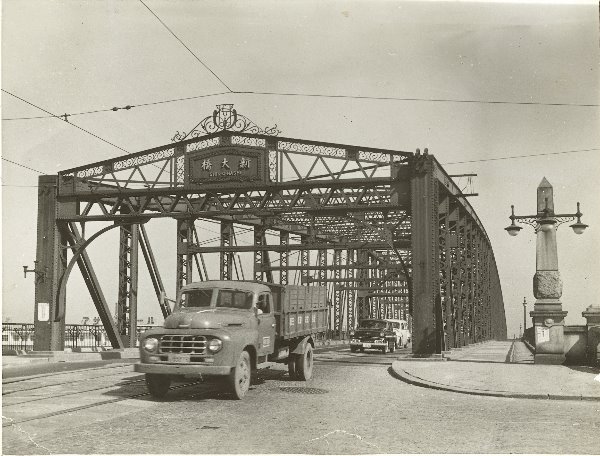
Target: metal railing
x,y
20,336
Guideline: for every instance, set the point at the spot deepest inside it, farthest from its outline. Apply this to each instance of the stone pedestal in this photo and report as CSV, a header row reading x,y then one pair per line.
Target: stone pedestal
x,y
592,315
549,323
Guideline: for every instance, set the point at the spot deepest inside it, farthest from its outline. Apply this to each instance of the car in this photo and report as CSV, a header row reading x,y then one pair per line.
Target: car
x,y
373,334
402,332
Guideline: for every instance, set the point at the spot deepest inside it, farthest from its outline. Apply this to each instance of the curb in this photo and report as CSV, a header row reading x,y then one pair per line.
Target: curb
x,y
401,374
62,357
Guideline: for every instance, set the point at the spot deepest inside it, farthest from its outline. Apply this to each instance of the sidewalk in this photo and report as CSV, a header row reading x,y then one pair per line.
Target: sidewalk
x,y
502,369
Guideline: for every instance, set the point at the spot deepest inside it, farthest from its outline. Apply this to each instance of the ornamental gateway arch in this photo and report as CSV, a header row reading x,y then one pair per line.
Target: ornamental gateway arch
x,y
388,232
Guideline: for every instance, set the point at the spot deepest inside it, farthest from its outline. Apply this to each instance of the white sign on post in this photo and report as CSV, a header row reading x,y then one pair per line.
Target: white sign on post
x,y
542,334
43,311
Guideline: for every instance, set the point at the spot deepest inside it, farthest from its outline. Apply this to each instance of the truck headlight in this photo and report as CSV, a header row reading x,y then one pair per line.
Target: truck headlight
x,y
150,344
214,345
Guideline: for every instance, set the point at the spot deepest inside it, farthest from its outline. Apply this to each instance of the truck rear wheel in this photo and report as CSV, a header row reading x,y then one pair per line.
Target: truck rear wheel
x,y
240,376
393,347
158,385
304,363
293,366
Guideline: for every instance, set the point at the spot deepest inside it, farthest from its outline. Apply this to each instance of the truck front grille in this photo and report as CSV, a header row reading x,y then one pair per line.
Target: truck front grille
x,y
182,344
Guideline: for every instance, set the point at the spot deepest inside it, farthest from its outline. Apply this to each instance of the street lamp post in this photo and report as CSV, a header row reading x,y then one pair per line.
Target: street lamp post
x,y
548,316
524,315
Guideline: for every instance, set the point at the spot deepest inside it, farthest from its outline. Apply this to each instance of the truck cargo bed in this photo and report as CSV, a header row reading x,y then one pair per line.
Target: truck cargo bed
x,y
300,310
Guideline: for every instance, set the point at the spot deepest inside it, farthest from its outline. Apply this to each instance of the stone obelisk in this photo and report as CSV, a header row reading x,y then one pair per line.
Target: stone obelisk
x,y
548,316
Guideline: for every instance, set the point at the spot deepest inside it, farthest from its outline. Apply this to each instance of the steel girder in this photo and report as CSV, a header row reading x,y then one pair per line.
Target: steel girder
x,y
128,284
382,208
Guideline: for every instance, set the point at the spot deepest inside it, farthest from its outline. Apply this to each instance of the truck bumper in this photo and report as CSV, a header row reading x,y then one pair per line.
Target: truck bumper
x,y
181,369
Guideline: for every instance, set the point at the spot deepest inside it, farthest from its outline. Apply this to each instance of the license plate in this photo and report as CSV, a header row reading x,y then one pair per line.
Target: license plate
x,y
366,345
178,358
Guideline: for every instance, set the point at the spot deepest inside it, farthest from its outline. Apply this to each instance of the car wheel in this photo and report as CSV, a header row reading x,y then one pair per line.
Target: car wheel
x,y
240,376
158,385
384,350
353,349
304,366
393,347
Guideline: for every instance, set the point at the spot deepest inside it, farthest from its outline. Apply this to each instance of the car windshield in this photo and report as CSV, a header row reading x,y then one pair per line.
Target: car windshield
x,y
196,298
375,324
235,298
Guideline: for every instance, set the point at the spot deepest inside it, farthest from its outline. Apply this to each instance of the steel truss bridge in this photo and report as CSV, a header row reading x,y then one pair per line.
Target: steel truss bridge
x,y
388,232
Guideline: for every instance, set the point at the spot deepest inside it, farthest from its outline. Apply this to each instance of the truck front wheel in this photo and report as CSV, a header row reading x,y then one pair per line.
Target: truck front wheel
x,y
158,385
304,363
240,376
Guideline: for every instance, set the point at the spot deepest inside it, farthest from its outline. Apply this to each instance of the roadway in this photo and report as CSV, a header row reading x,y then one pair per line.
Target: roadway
x,y
353,405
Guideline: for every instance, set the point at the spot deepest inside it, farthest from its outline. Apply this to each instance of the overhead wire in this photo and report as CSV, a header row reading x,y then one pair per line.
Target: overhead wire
x,y
114,109
185,46
66,121
432,100
521,156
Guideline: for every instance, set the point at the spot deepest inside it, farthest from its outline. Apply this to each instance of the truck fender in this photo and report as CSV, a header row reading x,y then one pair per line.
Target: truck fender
x,y
299,350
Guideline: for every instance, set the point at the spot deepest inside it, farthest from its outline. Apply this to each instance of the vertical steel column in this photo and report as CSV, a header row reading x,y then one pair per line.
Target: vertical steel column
x,y
425,256
262,264
51,264
259,240
362,303
284,240
226,257
322,262
337,293
460,279
128,284
351,295
184,263
304,260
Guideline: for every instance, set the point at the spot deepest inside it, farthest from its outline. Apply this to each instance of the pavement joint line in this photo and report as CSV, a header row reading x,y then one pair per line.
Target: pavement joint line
x,y
407,377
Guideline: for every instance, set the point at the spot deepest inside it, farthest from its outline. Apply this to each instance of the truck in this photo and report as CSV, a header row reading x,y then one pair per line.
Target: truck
x,y
229,329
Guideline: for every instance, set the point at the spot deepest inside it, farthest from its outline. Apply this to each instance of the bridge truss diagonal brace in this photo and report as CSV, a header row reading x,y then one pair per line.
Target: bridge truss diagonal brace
x,y
74,238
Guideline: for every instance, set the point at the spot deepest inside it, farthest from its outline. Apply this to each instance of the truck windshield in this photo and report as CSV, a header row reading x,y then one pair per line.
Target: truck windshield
x,y
235,298
372,324
196,298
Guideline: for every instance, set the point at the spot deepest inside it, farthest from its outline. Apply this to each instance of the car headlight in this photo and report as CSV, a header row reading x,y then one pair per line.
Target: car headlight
x,y
381,334
351,333
150,344
214,345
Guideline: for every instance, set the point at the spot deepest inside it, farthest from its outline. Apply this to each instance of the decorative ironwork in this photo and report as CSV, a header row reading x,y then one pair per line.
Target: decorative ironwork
x,y
377,157
249,142
201,145
316,149
225,118
143,159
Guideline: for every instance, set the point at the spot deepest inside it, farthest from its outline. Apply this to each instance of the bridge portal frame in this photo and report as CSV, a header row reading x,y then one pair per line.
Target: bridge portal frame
x,y
411,229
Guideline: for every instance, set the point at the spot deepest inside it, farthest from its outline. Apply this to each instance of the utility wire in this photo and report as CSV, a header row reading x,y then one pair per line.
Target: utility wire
x,y
22,166
128,107
185,46
432,100
59,117
521,156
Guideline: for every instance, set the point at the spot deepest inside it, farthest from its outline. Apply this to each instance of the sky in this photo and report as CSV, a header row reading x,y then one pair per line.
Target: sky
x,y
475,82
